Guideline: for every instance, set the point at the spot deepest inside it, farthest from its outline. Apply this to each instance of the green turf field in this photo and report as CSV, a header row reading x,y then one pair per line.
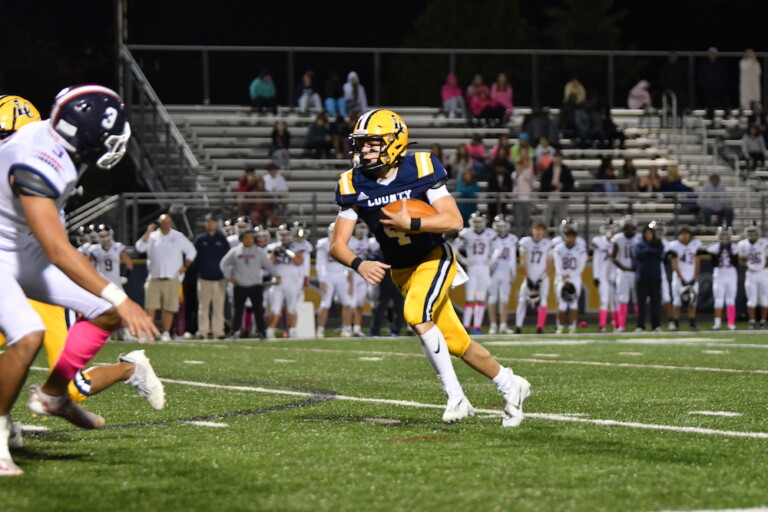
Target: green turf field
x,y
638,423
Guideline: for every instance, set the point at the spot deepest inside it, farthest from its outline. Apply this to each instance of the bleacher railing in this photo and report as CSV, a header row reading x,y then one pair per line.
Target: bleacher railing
x,y
172,160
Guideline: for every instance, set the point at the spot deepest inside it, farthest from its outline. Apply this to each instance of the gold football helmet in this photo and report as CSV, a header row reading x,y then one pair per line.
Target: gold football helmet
x,y
15,112
386,128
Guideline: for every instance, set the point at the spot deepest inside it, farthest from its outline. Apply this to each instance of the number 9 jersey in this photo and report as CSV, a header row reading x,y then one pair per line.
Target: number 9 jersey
x,y
419,176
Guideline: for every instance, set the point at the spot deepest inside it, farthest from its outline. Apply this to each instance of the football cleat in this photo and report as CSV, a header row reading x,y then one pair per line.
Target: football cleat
x,y
144,379
513,408
63,407
492,329
457,410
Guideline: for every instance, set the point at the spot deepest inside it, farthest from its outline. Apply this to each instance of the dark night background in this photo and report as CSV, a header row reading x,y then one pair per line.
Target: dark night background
x,y
74,42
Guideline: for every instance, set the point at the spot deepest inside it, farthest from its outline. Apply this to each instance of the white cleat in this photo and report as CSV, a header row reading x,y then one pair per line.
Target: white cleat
x,y
63,407
731,327
346,334
458,410
166,336
320,333
144,379
559,330
492,329
504,329
618,329
513,410
716,327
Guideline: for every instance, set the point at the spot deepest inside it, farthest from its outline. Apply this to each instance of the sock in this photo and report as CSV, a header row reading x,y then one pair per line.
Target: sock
x,y
5,433
730,314
434,347
503,326
246,322
718,321
83,341
692,322
616,318
504,381
479,312
542,317
469,308
355,328
637,310
623,310
602,317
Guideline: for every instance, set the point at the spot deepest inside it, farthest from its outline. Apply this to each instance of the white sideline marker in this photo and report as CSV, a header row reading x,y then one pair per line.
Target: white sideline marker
x,y
724,414
495,412
630,353
284,360
371,358
193,362
33,428
715,352
546,355
210,424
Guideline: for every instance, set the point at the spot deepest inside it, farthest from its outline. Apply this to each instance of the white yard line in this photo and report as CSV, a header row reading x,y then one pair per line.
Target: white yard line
x,y
495,412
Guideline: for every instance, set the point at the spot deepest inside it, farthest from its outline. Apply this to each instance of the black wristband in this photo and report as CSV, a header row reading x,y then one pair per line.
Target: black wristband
x,y
415,224
356,263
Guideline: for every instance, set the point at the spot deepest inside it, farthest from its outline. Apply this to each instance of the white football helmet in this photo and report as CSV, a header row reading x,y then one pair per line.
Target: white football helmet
x,y
478,222
568,227
752,231
361,230
299,230
724,234
106,234
243,224
284,234
608,228
262,236
501,225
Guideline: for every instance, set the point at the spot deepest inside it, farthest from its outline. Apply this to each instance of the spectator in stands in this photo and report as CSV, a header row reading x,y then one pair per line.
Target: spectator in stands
x,y
249,182
749,80
318,141
674,77
575,92
487,110
263,94
500,182
753,148
522,145
640,96
277,187
524,180
334,102
568,113
281,143
651,182
583,129
211,247
543,154
340,130
714,82
596,134
503,142
354,94
537,124
673,185
436,150
475,87
459,162
169,253
629,173
466,194
610,131
607,173
307,95
758,118
453,99
716,201
502,93
476,151
556,181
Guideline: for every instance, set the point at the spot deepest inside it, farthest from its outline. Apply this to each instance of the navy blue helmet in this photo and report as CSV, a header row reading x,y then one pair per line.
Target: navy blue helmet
x,y
90,121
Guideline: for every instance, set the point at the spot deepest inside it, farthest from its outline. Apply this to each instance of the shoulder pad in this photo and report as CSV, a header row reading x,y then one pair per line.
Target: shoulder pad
x,y
29,182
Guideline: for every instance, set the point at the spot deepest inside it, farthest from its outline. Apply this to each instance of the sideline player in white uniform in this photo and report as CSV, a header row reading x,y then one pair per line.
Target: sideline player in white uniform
x,y
334,283
107,256
476,242
503,272
300,244
37,261
604,273
288,266
724,285
242,225
360,244
752,254
83,240
570,259
535,265
621,256
666,294
684,253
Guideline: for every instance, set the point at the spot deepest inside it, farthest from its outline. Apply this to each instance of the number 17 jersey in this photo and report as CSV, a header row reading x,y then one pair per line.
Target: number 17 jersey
x,y
535,255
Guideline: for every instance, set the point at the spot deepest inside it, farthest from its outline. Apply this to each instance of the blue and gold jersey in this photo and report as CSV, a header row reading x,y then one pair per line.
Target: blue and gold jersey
x,y
416,174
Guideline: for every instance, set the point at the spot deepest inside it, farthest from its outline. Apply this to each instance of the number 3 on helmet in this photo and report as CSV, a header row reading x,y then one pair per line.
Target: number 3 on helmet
x,y
90,122
387,129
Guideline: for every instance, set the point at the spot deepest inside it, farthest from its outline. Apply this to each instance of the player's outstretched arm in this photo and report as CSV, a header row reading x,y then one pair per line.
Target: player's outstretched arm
x,y
447,220
44,221
372,271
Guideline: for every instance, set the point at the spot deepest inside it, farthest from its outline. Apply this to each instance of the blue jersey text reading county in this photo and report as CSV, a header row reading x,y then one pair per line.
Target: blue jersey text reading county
x,y
416,174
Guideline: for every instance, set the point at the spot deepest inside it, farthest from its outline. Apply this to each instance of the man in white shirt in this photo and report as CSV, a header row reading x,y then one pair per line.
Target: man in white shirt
x,y
685,267
752,254
476,242
503,271
169,253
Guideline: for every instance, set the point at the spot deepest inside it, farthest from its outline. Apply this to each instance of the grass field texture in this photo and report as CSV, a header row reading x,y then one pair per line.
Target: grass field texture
x,y
635,423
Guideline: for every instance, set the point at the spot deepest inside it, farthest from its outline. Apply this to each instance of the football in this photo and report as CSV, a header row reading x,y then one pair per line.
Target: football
x,y
416,209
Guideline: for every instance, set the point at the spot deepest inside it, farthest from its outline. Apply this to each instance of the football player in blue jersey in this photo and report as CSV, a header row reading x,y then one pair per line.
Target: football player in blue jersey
x,y
423,265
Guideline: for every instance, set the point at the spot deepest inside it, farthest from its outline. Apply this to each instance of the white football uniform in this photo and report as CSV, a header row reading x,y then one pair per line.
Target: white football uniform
x,y
503,268
305,248
686,255
41,167
569,265
291,278
362,248
724,283
604,271
535,255
625,280
756,282
234,240
107,261
333,274
478,249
